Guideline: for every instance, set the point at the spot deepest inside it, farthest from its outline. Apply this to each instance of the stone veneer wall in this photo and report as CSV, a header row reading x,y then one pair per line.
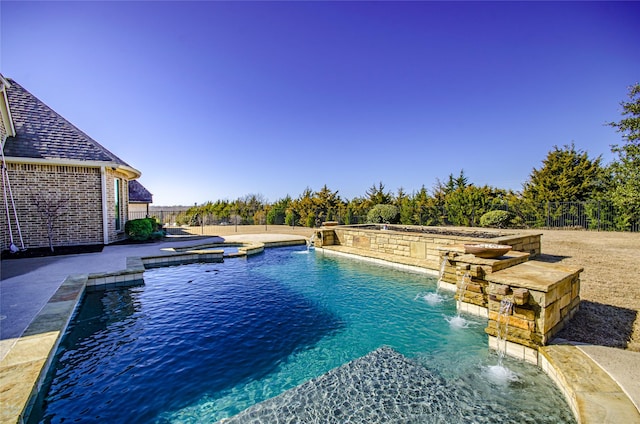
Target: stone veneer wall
x,y
538,313
417,248
544,296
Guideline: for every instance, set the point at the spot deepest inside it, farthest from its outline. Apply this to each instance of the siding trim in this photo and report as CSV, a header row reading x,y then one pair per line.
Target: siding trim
x,y
105,220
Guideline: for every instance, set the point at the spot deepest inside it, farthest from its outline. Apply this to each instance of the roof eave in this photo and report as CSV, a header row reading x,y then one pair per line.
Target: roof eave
x,y
5,110
129,171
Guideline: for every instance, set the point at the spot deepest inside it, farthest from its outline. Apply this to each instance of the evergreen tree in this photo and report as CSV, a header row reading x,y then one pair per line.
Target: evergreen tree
x,y
377,196
405,208
625,171
278,211
567,175
356,212
327,203
466,205
461,181
304,208
422,205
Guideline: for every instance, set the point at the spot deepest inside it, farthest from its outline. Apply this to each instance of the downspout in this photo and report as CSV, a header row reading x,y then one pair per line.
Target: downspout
x,y
105,209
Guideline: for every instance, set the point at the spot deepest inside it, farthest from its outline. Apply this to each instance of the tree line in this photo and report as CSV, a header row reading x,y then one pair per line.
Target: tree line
x,y
567,174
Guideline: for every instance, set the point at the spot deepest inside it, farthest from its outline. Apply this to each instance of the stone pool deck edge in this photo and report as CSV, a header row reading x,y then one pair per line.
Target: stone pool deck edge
x,y
24,367
597,392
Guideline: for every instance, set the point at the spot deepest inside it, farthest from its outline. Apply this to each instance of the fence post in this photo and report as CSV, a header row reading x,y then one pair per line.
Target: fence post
x,y
548,214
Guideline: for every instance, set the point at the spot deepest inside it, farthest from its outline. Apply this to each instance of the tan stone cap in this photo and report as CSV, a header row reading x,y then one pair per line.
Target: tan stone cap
x,y
592,394
534,275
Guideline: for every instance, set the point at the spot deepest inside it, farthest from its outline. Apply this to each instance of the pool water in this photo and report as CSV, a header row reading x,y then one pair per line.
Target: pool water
x,y
198,343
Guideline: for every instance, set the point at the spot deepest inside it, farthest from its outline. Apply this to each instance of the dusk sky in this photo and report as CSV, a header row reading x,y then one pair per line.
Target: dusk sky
x,y
217,100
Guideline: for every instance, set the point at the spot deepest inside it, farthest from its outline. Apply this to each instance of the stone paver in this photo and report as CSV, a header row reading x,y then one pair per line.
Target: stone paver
x,y
622,365
593,395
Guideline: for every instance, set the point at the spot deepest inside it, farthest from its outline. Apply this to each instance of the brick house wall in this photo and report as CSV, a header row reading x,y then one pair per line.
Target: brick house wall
x,y
81,222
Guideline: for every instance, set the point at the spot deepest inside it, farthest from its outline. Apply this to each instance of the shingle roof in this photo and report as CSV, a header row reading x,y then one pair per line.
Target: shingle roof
x,y
42,133
139,194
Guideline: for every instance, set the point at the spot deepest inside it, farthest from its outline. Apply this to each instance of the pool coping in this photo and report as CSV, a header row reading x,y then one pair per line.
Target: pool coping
x,y
593,394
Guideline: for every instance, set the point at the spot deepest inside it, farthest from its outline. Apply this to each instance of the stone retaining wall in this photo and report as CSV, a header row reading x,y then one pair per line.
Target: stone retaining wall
x,y
543,296
418,246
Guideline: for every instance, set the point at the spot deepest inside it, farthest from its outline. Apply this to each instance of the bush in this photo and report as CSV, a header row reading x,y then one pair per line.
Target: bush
x,y
496,219
290,219
383,214
139,229
311,220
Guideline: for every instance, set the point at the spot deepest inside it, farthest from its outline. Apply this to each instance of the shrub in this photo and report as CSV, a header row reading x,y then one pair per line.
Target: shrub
x,y
379,214
139,229
311,220
290,219
496,219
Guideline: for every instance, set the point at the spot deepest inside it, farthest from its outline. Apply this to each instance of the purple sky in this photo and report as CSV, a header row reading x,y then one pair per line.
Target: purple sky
x,y
216,100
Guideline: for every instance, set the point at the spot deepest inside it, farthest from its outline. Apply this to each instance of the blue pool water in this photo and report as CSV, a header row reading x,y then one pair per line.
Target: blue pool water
x,y
202,342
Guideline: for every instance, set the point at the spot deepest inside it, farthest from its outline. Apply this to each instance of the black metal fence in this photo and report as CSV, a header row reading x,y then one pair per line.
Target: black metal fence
x,y
593,215
178,221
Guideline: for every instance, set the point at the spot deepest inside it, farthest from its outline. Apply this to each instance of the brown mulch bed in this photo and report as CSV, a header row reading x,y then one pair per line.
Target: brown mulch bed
x,y
57,251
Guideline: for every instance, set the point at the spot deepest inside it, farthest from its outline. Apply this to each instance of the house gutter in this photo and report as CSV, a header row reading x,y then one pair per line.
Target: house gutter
x,y
105,210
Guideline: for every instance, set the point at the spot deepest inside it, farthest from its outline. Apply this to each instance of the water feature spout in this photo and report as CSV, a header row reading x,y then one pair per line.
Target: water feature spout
x,y
311,241
458,321
506,307
441,275
466,278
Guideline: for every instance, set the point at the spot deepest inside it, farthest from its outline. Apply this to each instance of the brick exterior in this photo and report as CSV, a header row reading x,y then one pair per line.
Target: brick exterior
x,y
81,187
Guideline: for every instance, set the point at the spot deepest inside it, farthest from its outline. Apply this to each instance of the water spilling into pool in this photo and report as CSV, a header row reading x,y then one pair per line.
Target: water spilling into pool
x,y
199,343
432,298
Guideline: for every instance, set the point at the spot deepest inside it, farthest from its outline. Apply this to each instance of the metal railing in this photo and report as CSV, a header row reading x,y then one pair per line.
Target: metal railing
x,y
592,215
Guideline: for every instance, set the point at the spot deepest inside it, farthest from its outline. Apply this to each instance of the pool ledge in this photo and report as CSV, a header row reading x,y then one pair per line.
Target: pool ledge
x,y
23,368
25,360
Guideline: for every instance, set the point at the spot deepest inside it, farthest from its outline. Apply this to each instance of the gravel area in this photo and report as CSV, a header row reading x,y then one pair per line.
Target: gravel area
x,y
609,284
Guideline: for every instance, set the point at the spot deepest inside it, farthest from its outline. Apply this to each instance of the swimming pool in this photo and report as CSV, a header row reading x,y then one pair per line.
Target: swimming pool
x,y
199,343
